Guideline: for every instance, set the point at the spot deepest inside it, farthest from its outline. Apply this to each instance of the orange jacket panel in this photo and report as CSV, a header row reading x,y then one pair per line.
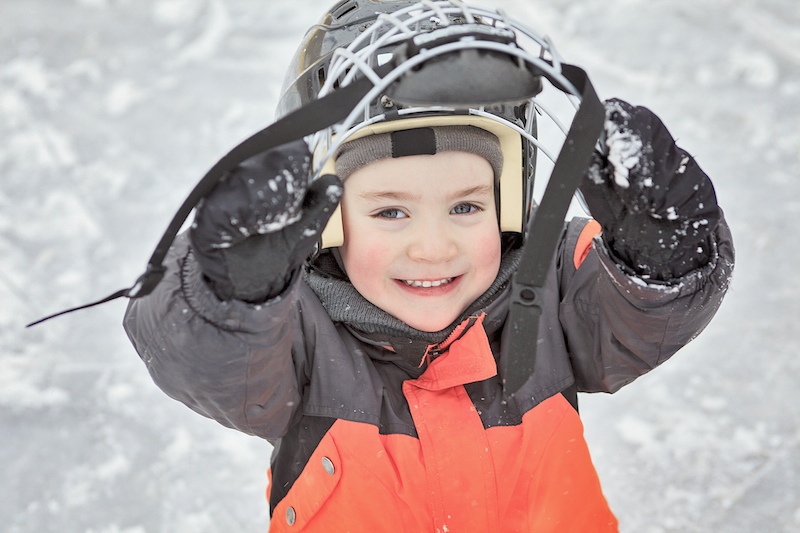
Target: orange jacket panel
x,y
457,476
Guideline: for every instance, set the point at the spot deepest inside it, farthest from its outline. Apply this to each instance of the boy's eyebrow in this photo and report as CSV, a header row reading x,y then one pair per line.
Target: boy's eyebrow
x,y
372,196
478,190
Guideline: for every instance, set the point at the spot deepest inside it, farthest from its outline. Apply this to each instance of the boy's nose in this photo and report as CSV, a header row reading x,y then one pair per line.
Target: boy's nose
x,y
432,243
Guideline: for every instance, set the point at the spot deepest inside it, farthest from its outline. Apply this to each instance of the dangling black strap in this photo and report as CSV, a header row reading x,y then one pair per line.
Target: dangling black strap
x,y
119,294
543,234
311,118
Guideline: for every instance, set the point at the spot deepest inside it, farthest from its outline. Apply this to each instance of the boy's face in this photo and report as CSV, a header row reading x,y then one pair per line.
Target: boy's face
x,y
421,239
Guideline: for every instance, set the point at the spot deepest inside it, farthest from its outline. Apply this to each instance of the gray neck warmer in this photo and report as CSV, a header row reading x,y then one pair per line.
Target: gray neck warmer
x,y
345,304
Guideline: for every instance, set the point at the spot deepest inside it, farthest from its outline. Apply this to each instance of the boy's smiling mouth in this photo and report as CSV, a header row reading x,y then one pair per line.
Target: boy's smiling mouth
x,y
427,283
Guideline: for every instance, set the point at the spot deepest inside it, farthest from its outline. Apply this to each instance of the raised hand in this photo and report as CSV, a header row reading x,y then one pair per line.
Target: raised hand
x,y
657,208
261,222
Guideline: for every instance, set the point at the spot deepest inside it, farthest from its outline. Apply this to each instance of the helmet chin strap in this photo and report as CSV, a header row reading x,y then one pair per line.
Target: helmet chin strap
x,y
521,333
543,231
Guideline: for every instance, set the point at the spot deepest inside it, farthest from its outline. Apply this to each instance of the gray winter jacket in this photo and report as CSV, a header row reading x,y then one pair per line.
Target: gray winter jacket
x,y
287,372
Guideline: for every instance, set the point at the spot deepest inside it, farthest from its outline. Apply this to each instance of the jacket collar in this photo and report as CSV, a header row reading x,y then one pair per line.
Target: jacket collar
x,y
464,357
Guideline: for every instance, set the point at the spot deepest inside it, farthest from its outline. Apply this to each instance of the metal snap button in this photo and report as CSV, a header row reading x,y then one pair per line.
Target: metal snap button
x,y
290,516
327,464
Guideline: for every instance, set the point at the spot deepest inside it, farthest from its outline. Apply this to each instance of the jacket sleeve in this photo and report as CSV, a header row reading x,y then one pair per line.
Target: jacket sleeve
x,y
618,326
234,362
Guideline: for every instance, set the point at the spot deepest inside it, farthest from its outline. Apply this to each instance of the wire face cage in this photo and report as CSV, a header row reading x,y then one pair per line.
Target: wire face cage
x,y
445,62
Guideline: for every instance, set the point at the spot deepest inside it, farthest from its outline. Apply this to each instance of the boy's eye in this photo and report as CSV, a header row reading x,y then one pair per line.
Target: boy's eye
x,y
391,213
464,209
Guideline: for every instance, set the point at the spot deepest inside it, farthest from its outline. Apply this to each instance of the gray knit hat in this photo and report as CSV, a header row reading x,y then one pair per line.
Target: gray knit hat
x,y
419,141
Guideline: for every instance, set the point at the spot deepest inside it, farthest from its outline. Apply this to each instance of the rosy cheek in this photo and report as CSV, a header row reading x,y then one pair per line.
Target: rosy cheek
x,y
364,259
486,246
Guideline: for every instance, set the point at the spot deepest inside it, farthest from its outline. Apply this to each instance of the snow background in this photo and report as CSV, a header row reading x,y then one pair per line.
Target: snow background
x,y
111,110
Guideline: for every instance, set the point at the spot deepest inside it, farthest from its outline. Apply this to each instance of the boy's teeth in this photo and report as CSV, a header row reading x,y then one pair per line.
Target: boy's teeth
x,y
414,283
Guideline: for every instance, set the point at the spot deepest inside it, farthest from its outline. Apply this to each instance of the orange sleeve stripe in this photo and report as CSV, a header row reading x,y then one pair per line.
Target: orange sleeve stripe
x,y
585,242
269,483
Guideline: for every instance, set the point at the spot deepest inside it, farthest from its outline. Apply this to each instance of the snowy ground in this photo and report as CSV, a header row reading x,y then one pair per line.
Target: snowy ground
x,y
112,109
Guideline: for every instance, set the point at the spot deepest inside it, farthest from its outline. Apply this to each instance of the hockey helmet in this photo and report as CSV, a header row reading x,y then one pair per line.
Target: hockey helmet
x,y
432,63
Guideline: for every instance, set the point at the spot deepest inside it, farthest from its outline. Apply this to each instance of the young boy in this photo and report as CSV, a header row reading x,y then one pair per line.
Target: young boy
x,y
373,366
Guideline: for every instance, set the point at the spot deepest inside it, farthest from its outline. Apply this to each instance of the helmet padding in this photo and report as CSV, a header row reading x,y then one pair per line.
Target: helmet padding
x,y
419,141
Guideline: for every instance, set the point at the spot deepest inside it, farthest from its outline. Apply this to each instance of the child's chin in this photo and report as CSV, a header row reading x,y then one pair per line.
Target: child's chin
x,y
429,325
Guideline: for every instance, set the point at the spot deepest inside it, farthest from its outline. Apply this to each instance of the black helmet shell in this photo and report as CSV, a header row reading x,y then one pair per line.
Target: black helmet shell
x,y
337,28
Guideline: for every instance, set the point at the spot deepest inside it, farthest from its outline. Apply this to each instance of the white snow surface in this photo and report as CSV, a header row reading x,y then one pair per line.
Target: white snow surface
x,y
113,109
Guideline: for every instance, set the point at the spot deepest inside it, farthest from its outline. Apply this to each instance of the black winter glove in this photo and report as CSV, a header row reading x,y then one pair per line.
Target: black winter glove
x,y
261,222
657,208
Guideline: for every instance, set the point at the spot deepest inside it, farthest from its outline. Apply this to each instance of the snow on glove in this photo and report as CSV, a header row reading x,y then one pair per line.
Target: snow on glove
x,y
657,208
261,221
